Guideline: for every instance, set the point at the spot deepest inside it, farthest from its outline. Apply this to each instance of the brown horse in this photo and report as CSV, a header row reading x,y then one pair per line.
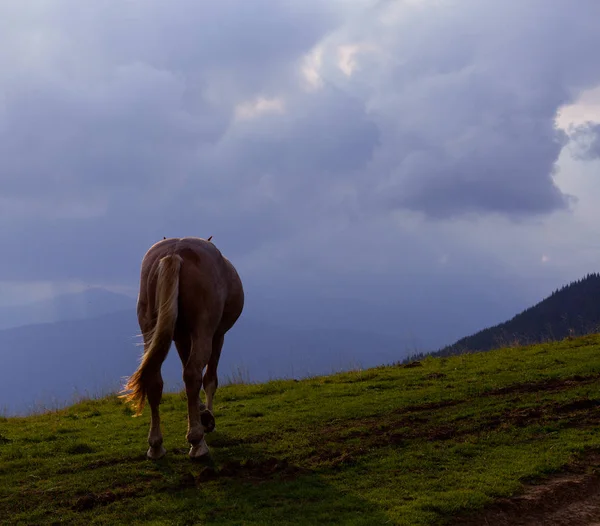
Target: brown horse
x,y
192,295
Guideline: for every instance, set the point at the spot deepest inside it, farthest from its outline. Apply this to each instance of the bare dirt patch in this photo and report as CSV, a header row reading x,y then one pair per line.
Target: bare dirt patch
x,y
91,500
251,470
260,469
551,384
411,365
427,406
570,498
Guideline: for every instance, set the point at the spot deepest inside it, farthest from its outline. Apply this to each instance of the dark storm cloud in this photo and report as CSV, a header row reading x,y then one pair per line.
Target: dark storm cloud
x,y
477,88
107,140
510,173
121,123
156,182
124,135
299,158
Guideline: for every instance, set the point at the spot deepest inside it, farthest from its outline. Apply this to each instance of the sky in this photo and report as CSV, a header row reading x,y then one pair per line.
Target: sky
x,y
407,153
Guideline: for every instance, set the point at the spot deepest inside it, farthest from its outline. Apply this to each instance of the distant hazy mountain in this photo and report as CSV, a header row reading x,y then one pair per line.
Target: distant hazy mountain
x,y
47,364
91,343
90,303
572,310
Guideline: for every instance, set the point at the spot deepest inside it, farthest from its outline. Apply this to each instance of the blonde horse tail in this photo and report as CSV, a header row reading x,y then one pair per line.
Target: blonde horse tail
x,y
157,343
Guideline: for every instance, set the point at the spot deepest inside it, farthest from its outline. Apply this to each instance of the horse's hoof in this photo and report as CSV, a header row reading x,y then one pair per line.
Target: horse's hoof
x,y
207,420
199,450
154,453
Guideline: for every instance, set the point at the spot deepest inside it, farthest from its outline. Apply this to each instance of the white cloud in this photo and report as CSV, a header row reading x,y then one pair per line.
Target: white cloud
x,y
347,58
584,110
259,106
311,68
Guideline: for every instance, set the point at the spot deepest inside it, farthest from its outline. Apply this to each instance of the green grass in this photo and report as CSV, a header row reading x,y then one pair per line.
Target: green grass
x,y
391,445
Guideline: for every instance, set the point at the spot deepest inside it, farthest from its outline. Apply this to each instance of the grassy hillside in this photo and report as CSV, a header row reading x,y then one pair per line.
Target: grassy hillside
x,y
414,445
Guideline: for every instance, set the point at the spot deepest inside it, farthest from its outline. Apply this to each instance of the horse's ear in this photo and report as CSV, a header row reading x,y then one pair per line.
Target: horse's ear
x,y
209,238
164,237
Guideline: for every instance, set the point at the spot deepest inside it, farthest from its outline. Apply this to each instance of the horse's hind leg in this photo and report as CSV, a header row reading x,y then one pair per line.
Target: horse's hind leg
x,y
183,344
154,390
192,375
211,380
155,438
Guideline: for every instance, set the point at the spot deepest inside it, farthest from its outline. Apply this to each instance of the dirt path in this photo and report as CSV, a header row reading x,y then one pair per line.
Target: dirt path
x,y
571,498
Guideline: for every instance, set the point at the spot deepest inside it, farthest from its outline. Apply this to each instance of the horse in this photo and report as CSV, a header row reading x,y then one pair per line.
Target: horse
x,y
192,295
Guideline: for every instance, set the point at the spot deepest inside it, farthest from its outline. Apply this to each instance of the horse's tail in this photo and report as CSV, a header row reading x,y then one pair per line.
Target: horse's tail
x,y
157,343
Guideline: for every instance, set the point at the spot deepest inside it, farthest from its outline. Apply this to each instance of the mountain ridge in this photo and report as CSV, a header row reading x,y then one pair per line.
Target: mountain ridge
x,y
571,310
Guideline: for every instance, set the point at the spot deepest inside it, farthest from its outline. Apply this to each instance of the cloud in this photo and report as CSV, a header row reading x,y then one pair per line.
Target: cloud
x,y
586,141
467,97
279,127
